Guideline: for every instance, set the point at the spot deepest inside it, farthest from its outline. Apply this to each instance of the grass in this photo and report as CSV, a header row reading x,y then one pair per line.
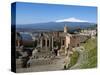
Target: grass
x,y
90,44
73,59
91,48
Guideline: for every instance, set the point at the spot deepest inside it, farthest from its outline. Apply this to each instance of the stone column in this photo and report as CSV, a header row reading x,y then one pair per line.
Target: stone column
x,y
66,46
46,43
61,42
52,42
18,43
41,41
49,42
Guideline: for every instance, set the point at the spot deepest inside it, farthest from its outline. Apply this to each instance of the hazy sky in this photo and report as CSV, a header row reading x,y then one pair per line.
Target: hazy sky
x,y
28,13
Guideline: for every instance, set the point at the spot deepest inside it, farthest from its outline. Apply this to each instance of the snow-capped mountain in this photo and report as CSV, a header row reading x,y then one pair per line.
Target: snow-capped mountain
x,y
71,23
72,19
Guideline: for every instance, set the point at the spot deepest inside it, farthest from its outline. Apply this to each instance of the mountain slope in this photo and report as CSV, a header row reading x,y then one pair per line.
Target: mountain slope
x,y
56,25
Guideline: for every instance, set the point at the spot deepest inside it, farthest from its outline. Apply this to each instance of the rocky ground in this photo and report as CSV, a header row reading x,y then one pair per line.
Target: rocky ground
x,y
57,64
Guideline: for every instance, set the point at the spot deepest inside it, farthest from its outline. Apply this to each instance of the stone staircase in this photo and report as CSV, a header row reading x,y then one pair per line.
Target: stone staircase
x,y
42,58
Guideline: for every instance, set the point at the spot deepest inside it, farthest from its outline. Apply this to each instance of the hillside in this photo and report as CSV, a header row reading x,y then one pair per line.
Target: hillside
x,y
87,55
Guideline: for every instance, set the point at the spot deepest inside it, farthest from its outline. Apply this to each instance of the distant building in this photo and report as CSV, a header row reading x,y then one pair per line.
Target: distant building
x,y
65,29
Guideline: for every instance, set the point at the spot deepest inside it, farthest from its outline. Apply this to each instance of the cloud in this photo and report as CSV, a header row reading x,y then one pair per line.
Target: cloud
x,y
72,19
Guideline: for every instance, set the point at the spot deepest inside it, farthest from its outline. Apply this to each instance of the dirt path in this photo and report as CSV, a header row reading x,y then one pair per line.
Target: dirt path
x,y
82,57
